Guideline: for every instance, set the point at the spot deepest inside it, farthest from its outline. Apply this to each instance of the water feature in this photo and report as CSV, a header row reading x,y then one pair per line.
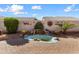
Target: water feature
x,y
45,38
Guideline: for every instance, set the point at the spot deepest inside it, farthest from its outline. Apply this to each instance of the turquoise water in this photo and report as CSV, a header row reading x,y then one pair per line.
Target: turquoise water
x,y
30,37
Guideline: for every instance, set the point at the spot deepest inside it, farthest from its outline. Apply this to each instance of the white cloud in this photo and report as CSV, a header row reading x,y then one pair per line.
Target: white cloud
x,y
15,9
12,8
20,13
36,7
5,9
2,10
69,8
76,10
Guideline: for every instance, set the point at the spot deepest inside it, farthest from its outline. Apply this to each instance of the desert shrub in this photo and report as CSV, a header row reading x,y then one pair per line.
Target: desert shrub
x,y
11,24
25,32
65,26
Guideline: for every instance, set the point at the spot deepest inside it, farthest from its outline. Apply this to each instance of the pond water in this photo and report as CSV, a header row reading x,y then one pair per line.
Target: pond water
x,y
44,37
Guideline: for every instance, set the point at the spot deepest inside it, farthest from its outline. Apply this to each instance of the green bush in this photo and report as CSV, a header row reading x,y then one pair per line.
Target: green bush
x,y
39,25
11,24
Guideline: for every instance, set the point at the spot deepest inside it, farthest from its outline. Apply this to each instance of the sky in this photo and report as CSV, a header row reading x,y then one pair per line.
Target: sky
x,y
39,10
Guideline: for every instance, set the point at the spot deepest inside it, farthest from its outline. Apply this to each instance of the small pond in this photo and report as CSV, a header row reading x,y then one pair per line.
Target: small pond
x,y
45,38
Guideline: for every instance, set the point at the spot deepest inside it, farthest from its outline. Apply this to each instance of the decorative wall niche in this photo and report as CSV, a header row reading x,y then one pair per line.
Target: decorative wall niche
x,y
25,23
49,23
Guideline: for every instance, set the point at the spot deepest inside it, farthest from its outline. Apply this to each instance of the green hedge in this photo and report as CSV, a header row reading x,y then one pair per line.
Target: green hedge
x,y
11,24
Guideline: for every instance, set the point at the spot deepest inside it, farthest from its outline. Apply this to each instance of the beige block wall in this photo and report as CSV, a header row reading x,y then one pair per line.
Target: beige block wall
x,y
51,28
74,28
56,28
33,22
2,27
21,25
29,26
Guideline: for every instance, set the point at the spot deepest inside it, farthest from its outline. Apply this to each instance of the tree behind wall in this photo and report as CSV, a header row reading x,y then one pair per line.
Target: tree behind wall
x,y
39,25
39,28
11,24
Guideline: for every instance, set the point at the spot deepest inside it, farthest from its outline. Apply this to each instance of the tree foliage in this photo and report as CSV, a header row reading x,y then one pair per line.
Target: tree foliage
x,y
11,24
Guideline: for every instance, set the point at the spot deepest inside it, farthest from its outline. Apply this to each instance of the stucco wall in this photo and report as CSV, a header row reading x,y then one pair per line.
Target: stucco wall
x,y
51,28
31,24
56,28
2,27
22,26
